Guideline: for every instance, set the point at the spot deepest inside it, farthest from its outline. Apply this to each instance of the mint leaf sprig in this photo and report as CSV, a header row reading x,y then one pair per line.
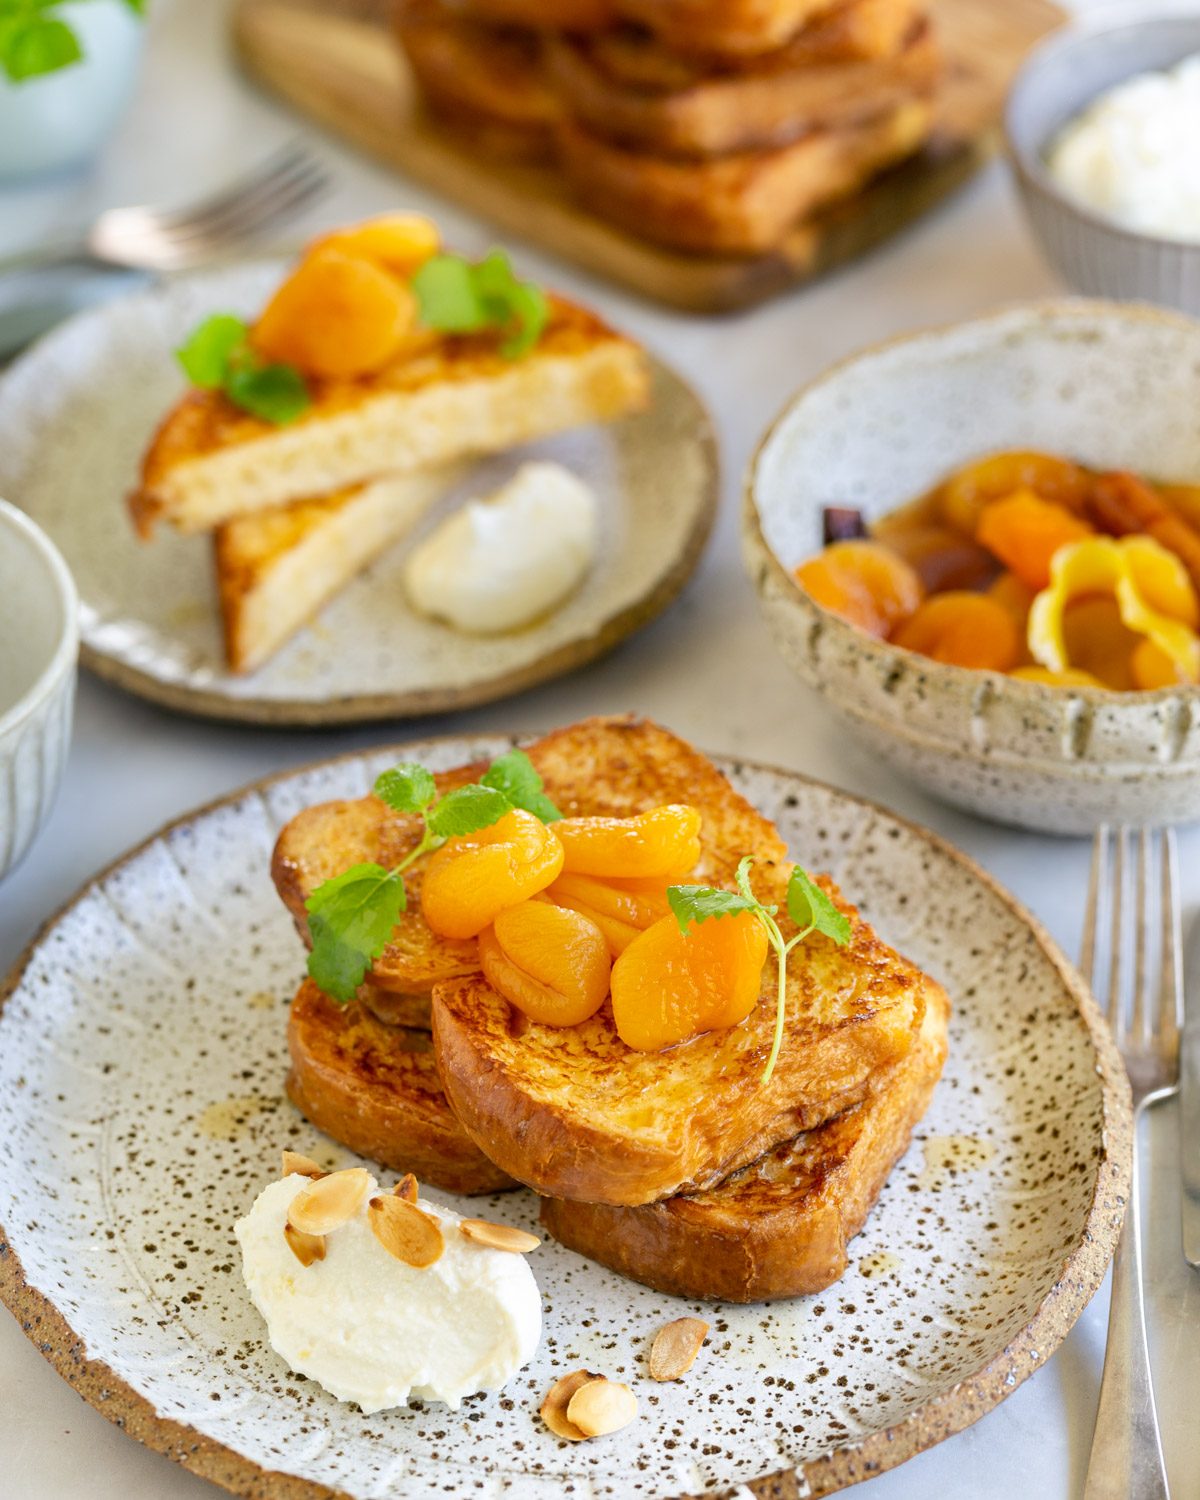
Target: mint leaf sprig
x,y
455,296
807,905
351,917
218,356
34,41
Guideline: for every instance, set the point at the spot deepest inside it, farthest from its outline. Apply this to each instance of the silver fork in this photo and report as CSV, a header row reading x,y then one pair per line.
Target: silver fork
x,y
154,239
1127,1461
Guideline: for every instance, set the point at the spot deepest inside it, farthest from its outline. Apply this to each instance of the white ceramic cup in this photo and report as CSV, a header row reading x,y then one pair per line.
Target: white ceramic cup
x,y
39,646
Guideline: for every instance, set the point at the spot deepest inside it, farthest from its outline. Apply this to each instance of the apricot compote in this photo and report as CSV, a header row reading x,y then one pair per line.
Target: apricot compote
x,y
548,961
663,841
667,987
474,877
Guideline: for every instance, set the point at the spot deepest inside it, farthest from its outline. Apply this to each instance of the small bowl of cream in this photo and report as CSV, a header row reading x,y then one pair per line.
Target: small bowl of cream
x,y
1103,127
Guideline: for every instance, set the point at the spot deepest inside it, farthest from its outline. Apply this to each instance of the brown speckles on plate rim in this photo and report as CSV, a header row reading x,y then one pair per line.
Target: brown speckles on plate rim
x,y
809,1365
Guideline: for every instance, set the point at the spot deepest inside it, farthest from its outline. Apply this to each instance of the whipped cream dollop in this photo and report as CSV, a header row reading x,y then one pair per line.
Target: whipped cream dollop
x,y
376,1331
500,562
1134,153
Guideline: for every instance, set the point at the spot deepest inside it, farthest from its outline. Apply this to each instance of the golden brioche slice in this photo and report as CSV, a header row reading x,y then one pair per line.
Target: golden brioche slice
x,y
277,568
781,1226
210,461
768,103
602,766
413,1012
743,203
481,75
574,1113
375,1089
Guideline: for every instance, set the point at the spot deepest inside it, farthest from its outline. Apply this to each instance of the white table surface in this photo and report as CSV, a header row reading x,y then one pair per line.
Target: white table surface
x,y
707,669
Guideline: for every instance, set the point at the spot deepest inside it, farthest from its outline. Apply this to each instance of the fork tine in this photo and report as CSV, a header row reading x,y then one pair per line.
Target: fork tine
x,y
1171,986
252,211
1116,917
280,163
1139,1021
1091,915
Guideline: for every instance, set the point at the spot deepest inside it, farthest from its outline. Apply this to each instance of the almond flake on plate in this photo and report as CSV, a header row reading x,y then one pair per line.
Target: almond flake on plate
x,y
601,1406
553,1410
498,1236
675,1347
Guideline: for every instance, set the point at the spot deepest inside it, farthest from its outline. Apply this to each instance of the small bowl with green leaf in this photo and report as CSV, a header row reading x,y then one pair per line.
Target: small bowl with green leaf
x,y
67,70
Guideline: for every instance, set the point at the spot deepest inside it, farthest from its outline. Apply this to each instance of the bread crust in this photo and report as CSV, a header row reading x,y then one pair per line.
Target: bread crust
x,y
375,1089
780,1227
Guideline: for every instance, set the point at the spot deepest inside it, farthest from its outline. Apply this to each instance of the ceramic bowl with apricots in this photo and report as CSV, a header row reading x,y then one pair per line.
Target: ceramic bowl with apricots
x,y
982,545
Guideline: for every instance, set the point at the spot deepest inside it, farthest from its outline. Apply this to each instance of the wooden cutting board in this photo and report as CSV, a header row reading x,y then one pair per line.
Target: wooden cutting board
x,y
336,62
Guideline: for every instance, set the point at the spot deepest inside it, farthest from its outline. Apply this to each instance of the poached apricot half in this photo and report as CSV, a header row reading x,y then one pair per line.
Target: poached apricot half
x,y
471,879
663,841
619,910
865,583
337,316
668,986
551,963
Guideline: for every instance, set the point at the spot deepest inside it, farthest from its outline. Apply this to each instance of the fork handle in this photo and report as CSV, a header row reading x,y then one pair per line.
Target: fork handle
x,y
49,257
1127,1461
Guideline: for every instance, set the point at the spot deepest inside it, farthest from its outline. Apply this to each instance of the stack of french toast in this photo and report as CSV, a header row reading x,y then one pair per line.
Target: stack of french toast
x,y
322,431
687,1166
710,126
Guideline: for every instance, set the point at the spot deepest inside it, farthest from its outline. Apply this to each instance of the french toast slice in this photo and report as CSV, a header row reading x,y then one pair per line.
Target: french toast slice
x,y
210,462
601,766
374,1088
573,1112
779,1227
277,568
743,203
764,104
481,75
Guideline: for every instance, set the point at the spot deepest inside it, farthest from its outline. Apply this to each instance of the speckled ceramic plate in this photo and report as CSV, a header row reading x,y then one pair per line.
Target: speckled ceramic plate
x,y
141,1069
77,412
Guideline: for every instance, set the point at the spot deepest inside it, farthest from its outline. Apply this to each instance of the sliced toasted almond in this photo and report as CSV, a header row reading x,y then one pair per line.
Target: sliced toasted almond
x,y
325,1204
601,1406
675,1347
405,1231
303,1165
498,1236
406,1188
554,1406
305,1247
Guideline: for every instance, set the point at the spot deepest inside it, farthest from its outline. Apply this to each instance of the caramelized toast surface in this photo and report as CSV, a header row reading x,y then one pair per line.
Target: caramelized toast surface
x,y
209,461
712,114
575,1113
744,202
601,766
374,1088
780,1226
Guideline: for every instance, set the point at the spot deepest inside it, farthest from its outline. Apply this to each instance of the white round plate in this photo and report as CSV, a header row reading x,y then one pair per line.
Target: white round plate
x,y
142,1061
77,412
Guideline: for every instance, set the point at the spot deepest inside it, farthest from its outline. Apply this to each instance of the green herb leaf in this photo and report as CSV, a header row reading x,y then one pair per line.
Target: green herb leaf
x,y
455,296
406,788
210,347
138,7
697,903
350,920
516,776
218,356
273,393
34,44
447,296
809,906
466,810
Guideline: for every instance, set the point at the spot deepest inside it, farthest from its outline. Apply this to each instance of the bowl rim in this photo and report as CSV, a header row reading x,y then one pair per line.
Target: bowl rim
x,y
66,649
883,651
1030,165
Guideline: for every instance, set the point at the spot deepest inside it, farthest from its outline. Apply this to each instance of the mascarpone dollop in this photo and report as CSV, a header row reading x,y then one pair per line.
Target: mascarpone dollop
x,y
1134,154
376,1331
500,562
